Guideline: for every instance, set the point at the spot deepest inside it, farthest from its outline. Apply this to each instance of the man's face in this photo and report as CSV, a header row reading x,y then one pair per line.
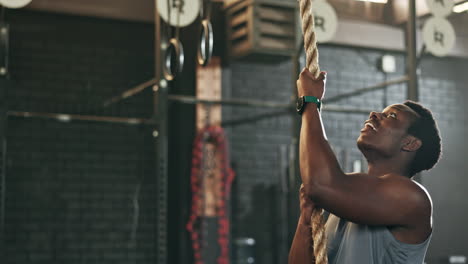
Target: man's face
x,y
384,132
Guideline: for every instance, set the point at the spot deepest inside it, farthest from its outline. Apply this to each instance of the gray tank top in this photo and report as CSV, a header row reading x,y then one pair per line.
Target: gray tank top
x,y
351,243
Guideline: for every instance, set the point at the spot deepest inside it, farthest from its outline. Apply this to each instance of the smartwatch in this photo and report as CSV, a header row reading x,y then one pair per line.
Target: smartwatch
x,y
303,100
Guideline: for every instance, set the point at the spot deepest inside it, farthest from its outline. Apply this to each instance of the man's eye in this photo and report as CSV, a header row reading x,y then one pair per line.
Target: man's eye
x,y
393,115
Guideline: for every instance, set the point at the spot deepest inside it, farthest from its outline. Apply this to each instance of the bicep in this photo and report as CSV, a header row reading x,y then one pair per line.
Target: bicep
x,y
369,200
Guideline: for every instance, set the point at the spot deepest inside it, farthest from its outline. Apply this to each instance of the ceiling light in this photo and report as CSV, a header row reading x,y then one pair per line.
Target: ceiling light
x,y
460,7
375,1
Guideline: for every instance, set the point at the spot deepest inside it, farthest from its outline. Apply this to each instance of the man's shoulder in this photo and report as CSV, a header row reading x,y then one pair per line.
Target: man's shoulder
x,y
412,191
409,190
403,186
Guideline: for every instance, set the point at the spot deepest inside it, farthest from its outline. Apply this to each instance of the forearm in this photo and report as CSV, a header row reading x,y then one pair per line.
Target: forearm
x,y
301,251
318,164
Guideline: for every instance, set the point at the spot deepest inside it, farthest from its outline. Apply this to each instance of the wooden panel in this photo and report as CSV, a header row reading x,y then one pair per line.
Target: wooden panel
x,y
137,10
241,33
239,19
279,30
209,87
260,25
279,13
275,43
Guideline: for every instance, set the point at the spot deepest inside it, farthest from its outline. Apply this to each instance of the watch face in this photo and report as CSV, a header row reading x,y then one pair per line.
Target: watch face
x,y
300,104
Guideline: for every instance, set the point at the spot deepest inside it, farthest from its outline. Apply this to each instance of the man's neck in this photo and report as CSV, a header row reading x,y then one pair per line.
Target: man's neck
x,y
384,167
380,164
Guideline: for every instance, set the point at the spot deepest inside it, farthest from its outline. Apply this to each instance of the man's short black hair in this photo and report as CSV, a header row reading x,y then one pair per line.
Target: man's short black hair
x,y
424,128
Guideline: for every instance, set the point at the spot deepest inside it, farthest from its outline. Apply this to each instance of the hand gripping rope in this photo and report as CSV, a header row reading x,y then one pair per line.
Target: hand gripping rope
x,y
310,46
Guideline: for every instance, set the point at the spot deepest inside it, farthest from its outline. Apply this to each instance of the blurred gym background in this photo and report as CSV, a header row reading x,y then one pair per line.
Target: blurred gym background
x,y
99,116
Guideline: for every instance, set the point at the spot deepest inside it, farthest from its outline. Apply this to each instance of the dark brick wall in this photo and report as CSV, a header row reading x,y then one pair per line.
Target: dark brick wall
x,y
256,151
74,191
255,146
72,64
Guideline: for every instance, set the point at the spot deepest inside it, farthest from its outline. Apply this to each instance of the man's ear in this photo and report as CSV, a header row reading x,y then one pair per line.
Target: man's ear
x,y
411,144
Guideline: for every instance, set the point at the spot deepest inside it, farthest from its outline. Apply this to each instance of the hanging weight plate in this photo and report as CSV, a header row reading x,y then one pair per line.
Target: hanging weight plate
x,y
173,59
440,8
15,3
189,11
205,46
325,19
439,36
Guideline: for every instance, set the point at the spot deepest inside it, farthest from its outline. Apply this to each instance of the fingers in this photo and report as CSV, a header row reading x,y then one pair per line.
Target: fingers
x,y
305,72
323,75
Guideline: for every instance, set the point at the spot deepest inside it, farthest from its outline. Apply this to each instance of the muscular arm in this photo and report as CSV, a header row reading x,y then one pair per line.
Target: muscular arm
x,y
302,246
388,200
301,251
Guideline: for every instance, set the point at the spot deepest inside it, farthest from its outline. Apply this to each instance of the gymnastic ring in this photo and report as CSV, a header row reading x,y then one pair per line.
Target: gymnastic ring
x,y
205,47
174,59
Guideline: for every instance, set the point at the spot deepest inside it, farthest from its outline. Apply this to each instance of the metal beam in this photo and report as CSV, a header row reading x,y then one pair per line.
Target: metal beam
x,y
347,110
231,102
129,93
160,113
255,118
3,149
290,110
4,46
72,117
411,56
366,89
245,102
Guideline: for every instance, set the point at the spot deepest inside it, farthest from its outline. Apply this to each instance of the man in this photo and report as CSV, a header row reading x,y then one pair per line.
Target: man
x,y
381,216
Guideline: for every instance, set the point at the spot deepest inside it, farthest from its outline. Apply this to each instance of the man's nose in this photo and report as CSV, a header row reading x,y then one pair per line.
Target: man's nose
x,y
375,115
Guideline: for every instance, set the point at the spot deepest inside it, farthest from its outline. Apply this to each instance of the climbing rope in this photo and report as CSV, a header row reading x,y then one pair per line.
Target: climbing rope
x,y
310,39
310,46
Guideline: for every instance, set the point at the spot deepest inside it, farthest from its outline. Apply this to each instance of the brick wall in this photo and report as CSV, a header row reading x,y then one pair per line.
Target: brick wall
x,y
71,186
71,193
78,192
72,64
256,151
255,146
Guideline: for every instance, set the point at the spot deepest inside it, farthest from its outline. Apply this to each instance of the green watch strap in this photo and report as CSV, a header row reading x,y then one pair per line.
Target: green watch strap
x,y
313,99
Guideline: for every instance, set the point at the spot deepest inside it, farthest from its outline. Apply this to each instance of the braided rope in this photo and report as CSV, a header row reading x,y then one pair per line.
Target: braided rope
x,y
310,40
310,46
319,237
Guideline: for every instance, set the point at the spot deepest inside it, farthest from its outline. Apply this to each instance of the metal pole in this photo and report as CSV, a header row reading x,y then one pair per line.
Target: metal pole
x,y
366,89
3,149
255,118
128,93
349,110
3,189
291,111
421,53
411,57
68,118
232,102
293,157
160,134
283,192
257,103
